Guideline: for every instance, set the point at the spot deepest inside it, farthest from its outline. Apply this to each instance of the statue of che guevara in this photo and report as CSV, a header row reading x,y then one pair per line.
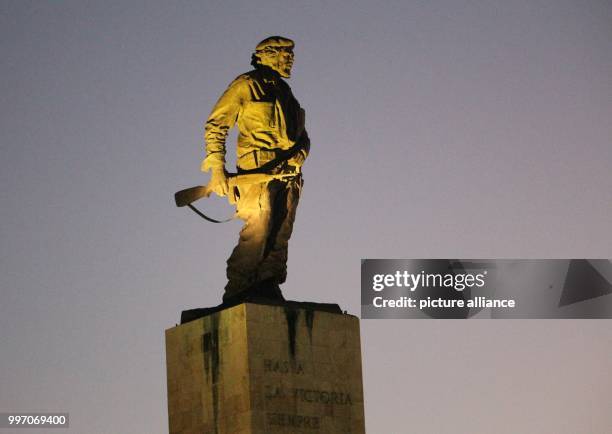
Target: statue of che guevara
x,y
272,146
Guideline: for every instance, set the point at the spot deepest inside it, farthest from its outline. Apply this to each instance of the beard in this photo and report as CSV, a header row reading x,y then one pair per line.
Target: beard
x,y
284,69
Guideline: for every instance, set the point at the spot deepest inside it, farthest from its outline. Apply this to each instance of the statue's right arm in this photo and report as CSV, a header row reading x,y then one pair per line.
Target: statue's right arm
x,y
221,119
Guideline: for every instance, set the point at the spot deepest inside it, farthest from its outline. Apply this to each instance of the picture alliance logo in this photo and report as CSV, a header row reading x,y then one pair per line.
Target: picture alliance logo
x,y
413,281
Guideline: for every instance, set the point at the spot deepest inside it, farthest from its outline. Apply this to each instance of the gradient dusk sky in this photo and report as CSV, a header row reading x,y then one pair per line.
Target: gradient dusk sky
x,y
439,129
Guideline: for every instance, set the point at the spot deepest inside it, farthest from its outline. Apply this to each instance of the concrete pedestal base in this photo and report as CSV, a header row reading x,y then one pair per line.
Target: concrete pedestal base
x,y
260,369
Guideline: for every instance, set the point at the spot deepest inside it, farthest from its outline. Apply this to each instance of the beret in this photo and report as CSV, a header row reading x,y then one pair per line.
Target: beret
x,y
274,42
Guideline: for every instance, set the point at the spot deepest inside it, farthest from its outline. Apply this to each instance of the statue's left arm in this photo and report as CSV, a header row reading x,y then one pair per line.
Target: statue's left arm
x,y
304,144
303,141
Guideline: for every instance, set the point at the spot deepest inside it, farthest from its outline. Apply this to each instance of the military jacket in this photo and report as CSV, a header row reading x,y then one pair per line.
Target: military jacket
x,y
268,117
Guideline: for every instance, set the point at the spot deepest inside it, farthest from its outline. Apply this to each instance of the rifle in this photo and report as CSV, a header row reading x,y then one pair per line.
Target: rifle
x,y
190,195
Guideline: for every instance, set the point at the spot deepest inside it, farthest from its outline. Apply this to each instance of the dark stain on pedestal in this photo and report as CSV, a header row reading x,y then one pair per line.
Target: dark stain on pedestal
x,y
310,314
292,317
210,347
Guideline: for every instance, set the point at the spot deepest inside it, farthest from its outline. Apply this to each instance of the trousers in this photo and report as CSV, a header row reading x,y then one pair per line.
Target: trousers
x,y
268,210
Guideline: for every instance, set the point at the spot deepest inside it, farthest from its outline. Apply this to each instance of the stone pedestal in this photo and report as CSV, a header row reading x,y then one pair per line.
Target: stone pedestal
x,y
261,369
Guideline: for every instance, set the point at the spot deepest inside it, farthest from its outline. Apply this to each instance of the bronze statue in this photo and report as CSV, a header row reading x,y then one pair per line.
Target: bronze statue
x,y
272,146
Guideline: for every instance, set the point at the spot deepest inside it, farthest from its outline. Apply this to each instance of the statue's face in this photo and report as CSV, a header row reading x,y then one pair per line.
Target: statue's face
x,y
279,59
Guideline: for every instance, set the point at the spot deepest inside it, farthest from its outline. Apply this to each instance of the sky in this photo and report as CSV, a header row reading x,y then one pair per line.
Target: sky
x,y
442,129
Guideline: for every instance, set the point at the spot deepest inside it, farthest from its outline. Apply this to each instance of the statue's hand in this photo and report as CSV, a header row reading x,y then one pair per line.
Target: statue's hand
x,y
297,159
218,182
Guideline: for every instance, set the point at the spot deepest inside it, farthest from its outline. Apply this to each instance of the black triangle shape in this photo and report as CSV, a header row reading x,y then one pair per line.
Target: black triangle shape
x,y
583,282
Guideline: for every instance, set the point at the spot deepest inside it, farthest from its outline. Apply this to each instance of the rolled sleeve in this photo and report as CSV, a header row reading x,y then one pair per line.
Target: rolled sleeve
x,y
221,119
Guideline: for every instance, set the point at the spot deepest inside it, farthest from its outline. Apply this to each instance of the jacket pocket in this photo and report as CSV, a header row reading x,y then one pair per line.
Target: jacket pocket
x,y
264,156
259,115
248,161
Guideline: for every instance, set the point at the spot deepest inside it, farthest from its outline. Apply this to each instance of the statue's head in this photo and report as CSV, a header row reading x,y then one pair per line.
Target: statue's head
x,y
276,53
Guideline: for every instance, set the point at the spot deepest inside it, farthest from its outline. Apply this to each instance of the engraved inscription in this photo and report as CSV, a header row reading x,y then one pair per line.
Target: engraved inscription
x,y
293,420
308,395
283,367
323,396
273,392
